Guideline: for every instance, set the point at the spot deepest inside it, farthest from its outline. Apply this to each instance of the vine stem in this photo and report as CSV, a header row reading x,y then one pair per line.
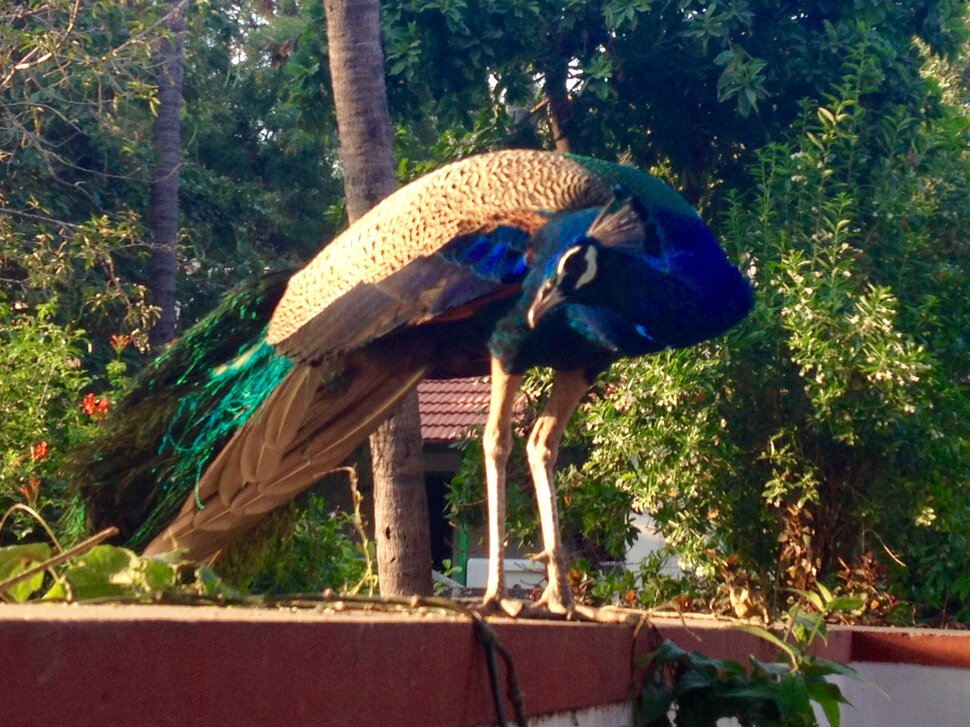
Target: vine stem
x,y
19,506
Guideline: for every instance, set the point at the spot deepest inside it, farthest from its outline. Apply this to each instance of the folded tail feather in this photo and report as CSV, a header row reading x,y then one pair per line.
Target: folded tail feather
x,y
307,427
182,407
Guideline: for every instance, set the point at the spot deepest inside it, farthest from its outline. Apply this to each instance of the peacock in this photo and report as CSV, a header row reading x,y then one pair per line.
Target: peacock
x,y
496,263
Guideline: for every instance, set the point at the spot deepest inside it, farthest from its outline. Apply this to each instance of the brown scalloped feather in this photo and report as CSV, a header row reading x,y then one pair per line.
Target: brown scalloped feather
x,y
503,187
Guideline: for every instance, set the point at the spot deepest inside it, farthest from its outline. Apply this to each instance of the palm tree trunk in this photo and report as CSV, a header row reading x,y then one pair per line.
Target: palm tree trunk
x,y
367,154
560,107
167,143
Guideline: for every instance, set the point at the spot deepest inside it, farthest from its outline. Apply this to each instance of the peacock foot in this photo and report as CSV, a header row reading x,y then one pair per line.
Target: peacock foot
x,y
501,605
557,600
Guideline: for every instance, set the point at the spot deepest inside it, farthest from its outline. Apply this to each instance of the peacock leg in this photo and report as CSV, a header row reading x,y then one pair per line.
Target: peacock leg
x,y
543,449
497,445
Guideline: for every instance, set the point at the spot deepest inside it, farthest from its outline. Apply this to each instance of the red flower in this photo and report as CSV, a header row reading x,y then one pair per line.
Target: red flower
x,y
95,408
88,405
38,451
31,492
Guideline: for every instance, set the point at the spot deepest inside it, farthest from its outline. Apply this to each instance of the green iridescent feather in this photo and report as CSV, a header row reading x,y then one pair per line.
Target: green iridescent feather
x,y
183,407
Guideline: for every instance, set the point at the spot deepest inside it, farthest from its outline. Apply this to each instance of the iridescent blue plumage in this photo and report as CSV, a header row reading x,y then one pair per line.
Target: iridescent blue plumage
x,y
498,255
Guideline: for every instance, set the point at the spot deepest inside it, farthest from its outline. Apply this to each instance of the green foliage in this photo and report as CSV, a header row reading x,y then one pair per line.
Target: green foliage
x,y
17,560
76,112
33,571
701,690
302,549
694,83
653,585
104,572
245,144
448,570
73,104
42,388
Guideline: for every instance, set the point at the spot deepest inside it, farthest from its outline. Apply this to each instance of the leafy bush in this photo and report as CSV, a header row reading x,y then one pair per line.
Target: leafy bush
x,y
834,421
32,571
302,548
42,389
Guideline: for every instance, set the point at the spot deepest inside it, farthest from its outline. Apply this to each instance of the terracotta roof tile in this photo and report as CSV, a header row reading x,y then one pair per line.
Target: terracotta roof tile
x,y
452,407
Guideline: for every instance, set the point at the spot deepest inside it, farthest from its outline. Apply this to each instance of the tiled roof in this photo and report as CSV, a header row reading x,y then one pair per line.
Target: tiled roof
x,y
451,407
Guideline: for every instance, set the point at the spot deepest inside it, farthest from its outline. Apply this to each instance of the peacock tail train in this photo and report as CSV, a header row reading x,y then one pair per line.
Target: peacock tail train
x,y
180,411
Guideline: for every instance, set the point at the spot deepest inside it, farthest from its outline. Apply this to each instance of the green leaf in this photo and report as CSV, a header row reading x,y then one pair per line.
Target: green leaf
x,y
829,697
158,576
57,592
767,692
771,638
212,585
774,668
826,116
105,571
832,667
667,652
706,662
844,604
694,679
17,559
794,701
655,701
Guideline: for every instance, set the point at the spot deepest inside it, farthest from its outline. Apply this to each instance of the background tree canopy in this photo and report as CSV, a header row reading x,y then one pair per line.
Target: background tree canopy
x,y
825,141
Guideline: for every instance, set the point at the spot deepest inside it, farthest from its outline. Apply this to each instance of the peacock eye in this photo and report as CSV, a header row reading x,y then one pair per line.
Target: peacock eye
x,y
577,266
574,264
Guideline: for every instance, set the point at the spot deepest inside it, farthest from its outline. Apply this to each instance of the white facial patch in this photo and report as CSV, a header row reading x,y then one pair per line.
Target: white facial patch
x,y
589,273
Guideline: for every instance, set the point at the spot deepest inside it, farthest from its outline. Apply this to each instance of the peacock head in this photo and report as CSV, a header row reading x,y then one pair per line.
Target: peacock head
x,y
658,268
577,267
623,222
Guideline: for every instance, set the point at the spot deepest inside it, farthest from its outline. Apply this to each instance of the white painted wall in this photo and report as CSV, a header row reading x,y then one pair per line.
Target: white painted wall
x,y
648,541
606,715
520,572
906,695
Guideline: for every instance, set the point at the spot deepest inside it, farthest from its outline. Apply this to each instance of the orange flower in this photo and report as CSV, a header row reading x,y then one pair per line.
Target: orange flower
x,y
120,342
88,405
38,451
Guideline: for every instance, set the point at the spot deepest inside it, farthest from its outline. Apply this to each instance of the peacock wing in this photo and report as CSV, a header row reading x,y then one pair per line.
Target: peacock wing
x,y
396,264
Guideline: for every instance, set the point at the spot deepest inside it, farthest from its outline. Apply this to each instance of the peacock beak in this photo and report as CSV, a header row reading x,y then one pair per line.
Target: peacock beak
x,y
548,297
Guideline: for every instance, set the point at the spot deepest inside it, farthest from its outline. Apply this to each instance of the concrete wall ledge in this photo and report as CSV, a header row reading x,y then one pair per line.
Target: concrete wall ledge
x,y
170,665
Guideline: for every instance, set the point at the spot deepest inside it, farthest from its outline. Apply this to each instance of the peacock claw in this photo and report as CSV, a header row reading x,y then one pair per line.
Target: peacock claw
x,y
502,606
552,600
540,557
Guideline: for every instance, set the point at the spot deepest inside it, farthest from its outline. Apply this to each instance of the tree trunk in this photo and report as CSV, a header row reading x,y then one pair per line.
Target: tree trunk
x,y
559,107
167,143
367,154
